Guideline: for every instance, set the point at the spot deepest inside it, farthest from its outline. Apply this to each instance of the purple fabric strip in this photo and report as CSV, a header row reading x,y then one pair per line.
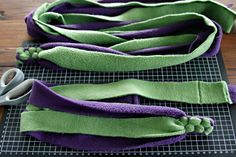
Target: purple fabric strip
x,y
77,8
94,26
215,46
232,92
164,50
44,97
98,143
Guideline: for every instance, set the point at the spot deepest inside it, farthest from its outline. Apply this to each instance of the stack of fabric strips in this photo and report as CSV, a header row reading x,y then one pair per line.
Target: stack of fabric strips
x,y
125,35
75,117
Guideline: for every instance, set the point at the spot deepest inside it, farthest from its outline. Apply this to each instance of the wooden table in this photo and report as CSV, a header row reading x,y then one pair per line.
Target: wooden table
x,y
13,32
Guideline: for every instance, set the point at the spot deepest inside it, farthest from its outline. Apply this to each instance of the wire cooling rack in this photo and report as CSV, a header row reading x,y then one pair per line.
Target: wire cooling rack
x,y
220,143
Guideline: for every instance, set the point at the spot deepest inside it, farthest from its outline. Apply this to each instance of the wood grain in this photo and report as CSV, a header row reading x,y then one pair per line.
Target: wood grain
x,y
13,32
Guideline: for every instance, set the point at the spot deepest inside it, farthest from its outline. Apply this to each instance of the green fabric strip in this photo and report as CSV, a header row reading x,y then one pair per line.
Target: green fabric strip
x,y
60,122
195,92
148,127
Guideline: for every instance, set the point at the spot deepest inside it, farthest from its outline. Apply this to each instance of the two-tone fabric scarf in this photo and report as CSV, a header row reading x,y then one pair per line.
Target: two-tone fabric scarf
x,y
121,35
103,116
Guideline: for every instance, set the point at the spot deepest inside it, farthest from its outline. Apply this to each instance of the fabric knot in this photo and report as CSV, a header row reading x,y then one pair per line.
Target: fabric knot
x,y
197,124
30,53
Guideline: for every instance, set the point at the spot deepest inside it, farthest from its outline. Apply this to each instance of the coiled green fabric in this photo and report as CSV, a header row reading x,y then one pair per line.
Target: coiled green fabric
x,y
146,16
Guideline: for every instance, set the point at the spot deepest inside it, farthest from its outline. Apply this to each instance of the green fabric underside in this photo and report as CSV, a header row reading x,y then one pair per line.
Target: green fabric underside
x,y
148,16
195,92
60,122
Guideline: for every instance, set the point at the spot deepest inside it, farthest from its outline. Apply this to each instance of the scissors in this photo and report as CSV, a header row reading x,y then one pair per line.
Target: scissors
x,y
15,90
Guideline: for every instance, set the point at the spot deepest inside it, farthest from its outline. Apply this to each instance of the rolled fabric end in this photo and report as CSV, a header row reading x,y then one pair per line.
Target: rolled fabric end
x,y
232,92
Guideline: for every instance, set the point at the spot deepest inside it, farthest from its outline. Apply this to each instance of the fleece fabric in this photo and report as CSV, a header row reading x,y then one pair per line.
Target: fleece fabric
x,y
195,92
47,103
134,28
99,143
44,97
60,122
147,127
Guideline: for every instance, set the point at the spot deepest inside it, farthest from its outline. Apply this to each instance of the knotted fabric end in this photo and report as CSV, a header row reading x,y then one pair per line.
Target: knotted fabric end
x,y
197,124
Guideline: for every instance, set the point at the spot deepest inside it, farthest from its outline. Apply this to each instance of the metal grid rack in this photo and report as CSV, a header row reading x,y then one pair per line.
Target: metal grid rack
x,y
221,141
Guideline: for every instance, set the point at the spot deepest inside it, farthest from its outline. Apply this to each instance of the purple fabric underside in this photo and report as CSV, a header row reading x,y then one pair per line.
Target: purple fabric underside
x,y
93,26
99,143
77,8
232,92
